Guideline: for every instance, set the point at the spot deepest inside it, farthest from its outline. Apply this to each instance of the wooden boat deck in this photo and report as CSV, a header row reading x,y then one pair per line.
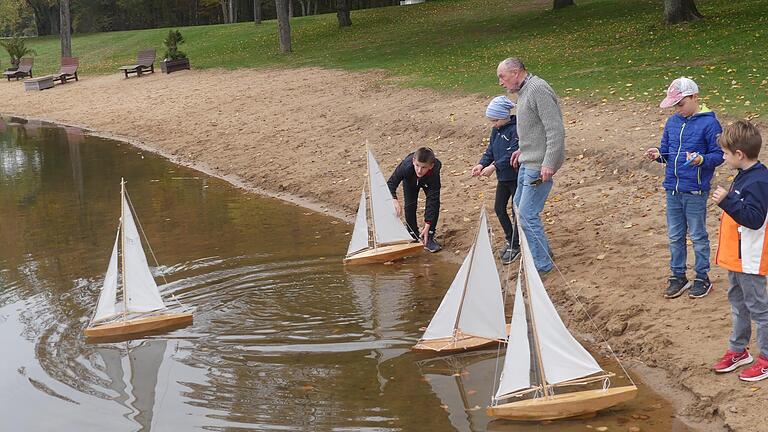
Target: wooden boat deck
x,y
139,326
384,253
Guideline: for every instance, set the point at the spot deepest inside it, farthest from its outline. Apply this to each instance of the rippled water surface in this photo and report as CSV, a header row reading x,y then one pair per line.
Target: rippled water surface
x,y
284,337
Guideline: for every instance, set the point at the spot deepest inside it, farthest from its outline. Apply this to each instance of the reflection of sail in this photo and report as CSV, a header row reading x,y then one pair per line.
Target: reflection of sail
x,y
463,383
382,298
135,391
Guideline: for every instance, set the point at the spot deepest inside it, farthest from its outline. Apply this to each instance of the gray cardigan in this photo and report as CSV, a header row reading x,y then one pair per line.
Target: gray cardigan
x,y
540,126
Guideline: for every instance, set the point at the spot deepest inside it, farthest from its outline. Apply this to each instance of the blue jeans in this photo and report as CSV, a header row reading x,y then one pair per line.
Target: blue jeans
x,y
687,213
749,302
529,200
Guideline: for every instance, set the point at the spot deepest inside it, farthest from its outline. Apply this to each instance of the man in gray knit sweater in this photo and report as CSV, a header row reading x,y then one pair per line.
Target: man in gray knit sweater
x,y
542,151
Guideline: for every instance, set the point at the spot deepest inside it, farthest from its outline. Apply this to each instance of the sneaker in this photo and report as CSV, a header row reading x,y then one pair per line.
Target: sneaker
x,y
732,360
510,255
757,371
432,245
544,272
677,286
503,250
701,287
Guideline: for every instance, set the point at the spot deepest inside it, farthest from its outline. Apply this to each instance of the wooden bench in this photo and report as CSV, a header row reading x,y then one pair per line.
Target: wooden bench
x,y
39,83
68,69
145,63
24,70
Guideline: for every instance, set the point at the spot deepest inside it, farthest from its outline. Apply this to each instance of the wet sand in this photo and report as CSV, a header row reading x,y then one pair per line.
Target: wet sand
x,y
300,135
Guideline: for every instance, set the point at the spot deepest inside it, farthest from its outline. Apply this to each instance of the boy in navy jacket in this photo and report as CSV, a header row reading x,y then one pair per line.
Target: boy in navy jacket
x,y
690,150
496,158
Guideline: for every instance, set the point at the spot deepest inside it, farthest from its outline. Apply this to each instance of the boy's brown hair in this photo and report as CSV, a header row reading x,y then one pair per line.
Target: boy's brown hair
x,y
424,155
741,135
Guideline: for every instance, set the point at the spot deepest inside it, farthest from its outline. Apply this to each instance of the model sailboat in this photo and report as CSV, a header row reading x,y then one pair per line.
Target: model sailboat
x,y
141,309
388,239
471,314
552,356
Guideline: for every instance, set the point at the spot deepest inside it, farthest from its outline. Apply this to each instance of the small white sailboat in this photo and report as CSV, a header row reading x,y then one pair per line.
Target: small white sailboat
x,y
471,314
388,238
553,356
141,309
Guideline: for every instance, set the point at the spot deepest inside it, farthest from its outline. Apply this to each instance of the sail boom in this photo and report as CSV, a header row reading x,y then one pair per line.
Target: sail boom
x,y
585,380
518,393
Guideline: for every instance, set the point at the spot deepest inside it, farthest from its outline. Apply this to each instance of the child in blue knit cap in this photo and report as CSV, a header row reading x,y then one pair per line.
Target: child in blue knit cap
x,y
496,158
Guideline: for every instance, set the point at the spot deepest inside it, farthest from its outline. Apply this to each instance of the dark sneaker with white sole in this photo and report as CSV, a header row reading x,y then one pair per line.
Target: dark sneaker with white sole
x,y
700,288
677,286
432,245
503,250
510,255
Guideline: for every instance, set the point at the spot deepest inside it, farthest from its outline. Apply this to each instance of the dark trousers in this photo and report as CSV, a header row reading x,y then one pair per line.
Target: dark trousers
x,y
410,199
505,190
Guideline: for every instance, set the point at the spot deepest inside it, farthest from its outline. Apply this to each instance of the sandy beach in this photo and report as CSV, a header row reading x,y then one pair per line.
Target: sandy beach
x,y
300,135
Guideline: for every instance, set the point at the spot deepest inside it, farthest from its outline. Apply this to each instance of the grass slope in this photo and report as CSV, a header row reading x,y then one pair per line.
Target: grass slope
x,y
602,49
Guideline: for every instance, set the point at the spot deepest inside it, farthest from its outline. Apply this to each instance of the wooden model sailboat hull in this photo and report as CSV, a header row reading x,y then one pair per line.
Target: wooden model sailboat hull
x,y
384,253
563,405
460,343
139,326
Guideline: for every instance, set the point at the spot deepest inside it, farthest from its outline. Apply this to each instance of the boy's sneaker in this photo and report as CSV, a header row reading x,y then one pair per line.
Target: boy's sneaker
x,y
732,360
701,287
503,250
757,371
677,286
432,245
510,255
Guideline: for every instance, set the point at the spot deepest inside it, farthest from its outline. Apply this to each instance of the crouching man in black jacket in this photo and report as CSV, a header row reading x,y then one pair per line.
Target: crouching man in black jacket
x,y
419,170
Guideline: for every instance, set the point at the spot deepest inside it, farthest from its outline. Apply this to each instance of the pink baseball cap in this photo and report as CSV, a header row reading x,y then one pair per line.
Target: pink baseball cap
x,y
679,89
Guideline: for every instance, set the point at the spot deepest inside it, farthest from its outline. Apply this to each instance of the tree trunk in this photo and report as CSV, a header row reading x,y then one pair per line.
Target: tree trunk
x,y
224,10
677,11
342,13
65,33
257,11
303,8
283,25
559,4
290,8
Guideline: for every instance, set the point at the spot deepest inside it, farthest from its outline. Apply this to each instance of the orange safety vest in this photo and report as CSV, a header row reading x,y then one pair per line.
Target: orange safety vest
x,y
741,249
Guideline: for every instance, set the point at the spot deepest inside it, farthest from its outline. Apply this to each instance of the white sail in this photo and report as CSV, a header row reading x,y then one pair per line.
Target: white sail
x,y
106,307
444,321
482,313
562,356
516,374
388,226
141,291
360,232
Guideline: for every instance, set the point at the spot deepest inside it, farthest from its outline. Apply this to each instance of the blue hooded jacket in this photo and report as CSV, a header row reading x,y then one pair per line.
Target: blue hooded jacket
x,y
502,144
697,133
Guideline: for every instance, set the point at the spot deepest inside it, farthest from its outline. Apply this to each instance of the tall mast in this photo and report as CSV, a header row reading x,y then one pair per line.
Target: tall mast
x,y
469,272
122,243
370,192
536,346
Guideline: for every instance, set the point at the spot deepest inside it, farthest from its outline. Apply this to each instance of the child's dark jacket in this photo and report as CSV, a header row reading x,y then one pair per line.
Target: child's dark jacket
x,y
502,144
430,183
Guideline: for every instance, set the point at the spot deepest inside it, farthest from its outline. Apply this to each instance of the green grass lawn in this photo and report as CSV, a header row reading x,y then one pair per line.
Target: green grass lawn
x,y
600,49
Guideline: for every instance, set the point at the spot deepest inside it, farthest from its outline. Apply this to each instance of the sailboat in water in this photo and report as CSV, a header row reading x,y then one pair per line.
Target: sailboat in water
x,y
141,309
471,314
388,238
553,356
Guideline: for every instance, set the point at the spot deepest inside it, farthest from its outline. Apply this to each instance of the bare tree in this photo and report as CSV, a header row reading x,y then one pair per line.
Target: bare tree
x,y
342,13
283,25
257,11
677,11
64,29
559,4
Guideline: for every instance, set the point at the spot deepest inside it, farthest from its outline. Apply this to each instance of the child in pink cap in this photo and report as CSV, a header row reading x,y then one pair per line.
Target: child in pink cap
x,y
690,151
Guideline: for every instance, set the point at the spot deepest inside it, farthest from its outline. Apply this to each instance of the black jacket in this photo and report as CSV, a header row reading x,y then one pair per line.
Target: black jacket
x,y
502,144
430,183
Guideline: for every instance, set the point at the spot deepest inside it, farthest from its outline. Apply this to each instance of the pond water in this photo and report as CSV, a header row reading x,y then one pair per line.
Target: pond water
x,y
284,337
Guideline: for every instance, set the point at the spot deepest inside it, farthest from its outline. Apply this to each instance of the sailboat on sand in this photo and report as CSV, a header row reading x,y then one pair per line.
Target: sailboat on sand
x,y
553,356
141,309
388,238
471,314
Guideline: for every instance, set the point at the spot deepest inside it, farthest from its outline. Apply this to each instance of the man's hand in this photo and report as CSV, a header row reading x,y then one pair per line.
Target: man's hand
x,y
719,194
513,160
424,233
487,171
398,209
547,173
652,153
476,170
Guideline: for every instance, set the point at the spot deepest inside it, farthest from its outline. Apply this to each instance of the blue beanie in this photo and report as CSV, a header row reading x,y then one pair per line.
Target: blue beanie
x,y
499,108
